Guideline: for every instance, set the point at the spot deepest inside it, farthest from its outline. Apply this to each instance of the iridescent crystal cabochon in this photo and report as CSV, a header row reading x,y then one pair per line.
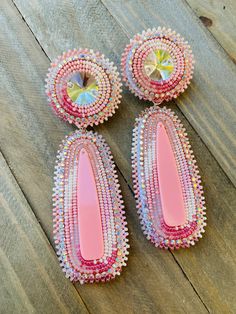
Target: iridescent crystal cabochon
x,y
158,66
90,229
82,89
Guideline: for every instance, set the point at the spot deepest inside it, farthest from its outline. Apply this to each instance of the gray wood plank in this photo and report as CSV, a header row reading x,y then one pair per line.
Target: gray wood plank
x,y
31,279
209,102
219,18
33,134
30,137
151,275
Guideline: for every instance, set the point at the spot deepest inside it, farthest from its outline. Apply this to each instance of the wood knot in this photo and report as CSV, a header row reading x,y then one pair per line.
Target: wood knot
x,y
206,21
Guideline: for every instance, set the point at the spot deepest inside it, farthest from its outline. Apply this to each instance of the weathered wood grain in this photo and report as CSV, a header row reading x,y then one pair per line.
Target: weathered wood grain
x,y
147,285
33,134
219,18
31,281
209,103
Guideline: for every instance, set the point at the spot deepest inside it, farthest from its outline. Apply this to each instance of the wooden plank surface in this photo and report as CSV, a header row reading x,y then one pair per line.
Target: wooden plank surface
x,y
31,149
31,281
191,280
39,144
209,90
209,103
219,18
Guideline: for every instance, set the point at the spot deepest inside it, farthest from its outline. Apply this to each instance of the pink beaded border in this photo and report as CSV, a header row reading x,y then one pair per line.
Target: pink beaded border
x,y
65,211
133,65
146,186
107,78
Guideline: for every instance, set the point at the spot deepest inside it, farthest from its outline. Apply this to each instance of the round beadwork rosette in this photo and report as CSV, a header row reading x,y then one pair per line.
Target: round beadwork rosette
x,y
157,65
83,87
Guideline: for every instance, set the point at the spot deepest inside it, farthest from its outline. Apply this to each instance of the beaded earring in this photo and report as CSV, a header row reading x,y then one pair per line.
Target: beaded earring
x,y
90,230
157,66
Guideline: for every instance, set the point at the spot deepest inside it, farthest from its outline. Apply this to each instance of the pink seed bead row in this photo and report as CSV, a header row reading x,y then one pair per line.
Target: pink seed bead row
x,y
107,79
145,175
136,53
66,233
139,58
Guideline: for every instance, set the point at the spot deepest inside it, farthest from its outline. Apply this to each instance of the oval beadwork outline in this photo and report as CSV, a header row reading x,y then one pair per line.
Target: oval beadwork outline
x,y
163,236
72,263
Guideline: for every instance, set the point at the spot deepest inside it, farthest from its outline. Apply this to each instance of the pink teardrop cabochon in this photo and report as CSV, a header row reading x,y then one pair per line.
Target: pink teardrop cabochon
x,y
167,184
83,87
90,228
157,65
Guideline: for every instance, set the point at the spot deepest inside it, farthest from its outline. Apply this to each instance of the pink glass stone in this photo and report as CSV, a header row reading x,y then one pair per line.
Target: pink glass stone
x,y
169,182
89,214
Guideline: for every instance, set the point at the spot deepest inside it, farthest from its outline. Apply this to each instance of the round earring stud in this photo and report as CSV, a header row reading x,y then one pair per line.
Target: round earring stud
x,y
157,65
90,230
83,87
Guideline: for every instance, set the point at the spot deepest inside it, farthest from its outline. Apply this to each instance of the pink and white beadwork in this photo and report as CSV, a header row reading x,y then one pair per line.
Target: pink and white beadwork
x,y
157,65
146,181
83,87
66,211
89,220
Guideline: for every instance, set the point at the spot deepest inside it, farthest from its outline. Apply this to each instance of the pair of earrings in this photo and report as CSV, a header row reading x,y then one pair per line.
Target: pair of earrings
x,y
84,88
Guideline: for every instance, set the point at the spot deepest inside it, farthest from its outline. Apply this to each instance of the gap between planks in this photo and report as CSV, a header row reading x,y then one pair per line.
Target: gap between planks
x,y
8,173
48,58
207,29
18,184
130,187
119,171
174,101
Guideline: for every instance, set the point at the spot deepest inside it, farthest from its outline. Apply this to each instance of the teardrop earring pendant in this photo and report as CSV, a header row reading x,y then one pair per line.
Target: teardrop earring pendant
x,y
90,230
158,66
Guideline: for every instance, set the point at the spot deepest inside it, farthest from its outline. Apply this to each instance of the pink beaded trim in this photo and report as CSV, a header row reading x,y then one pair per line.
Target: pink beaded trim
x,y
84,88
136,53
65,212
145,176
157,66
107,79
